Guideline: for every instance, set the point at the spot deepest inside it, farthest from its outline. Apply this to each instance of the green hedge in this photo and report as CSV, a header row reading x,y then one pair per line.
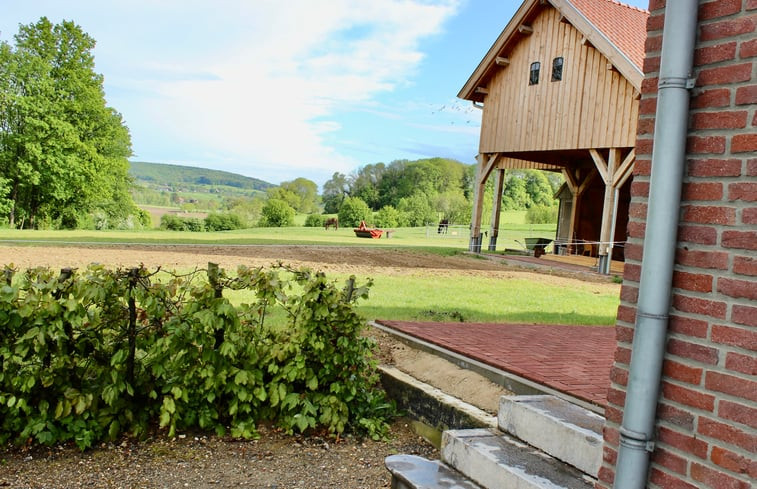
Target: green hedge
x,y
88,355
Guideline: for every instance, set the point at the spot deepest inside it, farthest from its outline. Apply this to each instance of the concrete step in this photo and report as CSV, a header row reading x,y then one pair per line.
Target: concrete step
x,y
497,461
563,430
413,472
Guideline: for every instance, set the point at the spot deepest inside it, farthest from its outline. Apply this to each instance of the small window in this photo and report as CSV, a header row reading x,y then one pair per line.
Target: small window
x,y
533,78
557,69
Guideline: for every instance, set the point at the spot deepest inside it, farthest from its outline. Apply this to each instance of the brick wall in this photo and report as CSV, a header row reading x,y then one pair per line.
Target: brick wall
x,y
707,410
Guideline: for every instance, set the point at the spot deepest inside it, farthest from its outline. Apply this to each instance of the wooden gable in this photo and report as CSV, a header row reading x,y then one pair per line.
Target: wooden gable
x,y
592,106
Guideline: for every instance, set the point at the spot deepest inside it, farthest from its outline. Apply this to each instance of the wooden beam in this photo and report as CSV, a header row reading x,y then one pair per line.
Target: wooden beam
x,y
601,165
624,170
482,90
487,169
570,179
526,30
502,61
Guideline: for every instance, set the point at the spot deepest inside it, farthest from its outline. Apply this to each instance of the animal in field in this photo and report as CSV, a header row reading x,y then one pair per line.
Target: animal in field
x,y
331,221
443,225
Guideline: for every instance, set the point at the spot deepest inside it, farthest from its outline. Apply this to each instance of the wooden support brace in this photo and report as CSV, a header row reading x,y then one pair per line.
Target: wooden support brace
x,y
624,170
526,30
601,165
502,61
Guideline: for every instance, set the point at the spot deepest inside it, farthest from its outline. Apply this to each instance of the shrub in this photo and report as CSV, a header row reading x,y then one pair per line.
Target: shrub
x,y
223,222
276,213
417,209
388,217
89,355
173,222
314,221
353,210
541,214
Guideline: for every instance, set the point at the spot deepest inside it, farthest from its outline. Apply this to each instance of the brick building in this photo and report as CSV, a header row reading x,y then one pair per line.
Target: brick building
x,y
706,418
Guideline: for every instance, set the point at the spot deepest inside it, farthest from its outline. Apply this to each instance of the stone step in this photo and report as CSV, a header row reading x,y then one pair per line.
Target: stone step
x,y
414,472
563,430
497,461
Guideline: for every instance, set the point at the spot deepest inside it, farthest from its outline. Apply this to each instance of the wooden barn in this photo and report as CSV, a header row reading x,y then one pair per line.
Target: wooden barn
x,y
559,90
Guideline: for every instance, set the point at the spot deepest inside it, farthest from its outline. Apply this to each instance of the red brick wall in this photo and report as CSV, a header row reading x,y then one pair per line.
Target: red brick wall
x,y
707,410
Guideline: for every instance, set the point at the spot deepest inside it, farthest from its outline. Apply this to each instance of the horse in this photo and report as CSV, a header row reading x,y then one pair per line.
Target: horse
x,y
332,221
443,225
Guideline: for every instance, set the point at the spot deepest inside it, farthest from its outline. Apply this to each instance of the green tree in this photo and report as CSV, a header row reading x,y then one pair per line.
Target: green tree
x,y
417,209
304,194
353,210
388,217
62,148
514,195
539,189
277,213
453,206
334,191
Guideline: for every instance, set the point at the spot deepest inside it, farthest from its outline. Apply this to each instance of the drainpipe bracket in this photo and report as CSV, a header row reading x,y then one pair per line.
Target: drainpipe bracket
x,y
677,82
635,439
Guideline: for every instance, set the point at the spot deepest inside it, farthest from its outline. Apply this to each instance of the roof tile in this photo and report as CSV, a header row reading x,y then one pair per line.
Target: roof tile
x,y
625,26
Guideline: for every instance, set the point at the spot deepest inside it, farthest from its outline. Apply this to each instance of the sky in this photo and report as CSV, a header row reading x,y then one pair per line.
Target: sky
x,y
278,90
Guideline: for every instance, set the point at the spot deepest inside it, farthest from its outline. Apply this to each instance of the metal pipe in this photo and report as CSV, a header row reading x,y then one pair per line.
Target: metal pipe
x,y
668,157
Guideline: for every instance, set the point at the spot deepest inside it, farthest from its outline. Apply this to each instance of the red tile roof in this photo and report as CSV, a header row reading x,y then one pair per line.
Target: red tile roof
x,y
625,26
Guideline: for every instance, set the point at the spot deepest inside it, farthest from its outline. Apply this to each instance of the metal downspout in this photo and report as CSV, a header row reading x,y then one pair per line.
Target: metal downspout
x,y
668,157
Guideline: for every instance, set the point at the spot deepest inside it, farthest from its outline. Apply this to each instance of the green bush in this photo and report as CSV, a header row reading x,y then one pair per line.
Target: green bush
x,y
314,221
92,354
223,222
541,214
353,210
173,222
276,213
388,217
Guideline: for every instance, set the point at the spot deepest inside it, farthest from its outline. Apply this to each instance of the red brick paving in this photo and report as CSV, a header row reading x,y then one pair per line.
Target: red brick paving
x,y
571,359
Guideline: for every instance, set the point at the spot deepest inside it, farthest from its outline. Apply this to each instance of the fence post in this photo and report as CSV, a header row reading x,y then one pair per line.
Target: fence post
x,y
218,292
132,333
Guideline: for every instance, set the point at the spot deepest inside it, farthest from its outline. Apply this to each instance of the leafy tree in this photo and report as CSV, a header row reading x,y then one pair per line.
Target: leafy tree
x,y
63,150
334,192
514,195
538,188
417,209
353,210
388,217
277,213
453,206
364,183
305,192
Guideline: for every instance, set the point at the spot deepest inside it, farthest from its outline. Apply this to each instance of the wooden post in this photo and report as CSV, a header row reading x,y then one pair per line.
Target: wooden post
x,y
499,183
132,333
218,293
483,168
614,174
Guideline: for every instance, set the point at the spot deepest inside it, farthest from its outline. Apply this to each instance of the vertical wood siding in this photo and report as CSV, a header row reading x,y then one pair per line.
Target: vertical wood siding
x,y
592,107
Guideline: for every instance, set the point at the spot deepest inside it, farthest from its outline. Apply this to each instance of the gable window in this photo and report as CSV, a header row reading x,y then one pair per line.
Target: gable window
x,y
557,69
533,78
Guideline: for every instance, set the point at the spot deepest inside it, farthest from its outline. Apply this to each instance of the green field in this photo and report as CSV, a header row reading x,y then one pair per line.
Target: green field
x,y
453,296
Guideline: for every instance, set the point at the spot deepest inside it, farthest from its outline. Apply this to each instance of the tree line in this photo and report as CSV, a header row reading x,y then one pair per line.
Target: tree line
x,y
63,150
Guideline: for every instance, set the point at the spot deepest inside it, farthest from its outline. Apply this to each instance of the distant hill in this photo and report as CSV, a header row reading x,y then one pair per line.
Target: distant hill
x,y
164,175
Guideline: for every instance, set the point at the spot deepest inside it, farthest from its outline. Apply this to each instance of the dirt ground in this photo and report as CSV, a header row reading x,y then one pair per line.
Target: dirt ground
x,y
276,460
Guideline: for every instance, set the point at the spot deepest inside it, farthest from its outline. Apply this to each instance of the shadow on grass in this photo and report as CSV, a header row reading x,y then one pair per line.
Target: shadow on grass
x,y
471,316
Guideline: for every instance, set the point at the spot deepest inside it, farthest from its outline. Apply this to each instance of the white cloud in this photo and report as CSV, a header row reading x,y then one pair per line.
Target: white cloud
x,y
262,89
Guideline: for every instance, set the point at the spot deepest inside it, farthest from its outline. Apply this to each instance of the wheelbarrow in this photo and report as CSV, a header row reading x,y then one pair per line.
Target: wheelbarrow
x,y
536,245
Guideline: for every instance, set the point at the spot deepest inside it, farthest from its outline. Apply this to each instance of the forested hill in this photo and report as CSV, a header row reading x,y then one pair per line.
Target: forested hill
x,y
157,175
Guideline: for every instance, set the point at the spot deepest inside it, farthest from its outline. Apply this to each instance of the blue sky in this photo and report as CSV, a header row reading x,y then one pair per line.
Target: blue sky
x,y
284,89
